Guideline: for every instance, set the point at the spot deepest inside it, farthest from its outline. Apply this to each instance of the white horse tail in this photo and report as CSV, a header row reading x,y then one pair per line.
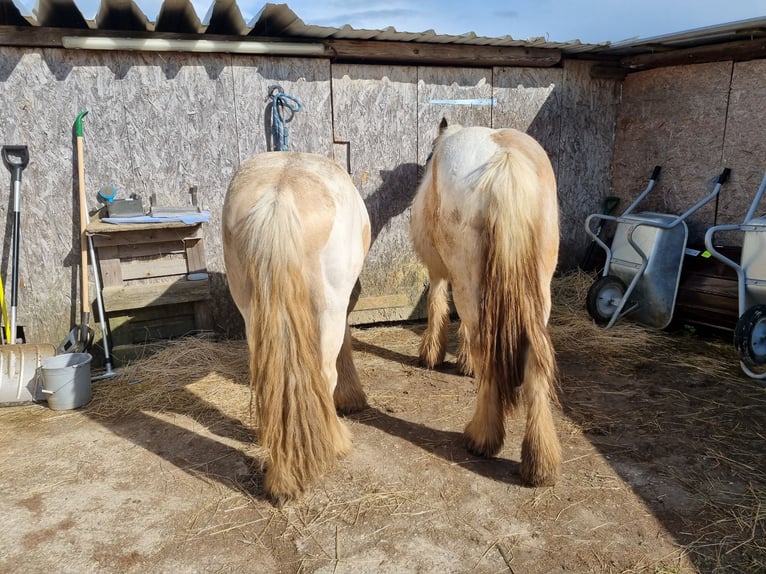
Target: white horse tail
x,y
515,306
297,424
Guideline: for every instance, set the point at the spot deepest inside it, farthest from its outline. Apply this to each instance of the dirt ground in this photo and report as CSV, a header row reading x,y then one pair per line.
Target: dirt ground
x,y
663,473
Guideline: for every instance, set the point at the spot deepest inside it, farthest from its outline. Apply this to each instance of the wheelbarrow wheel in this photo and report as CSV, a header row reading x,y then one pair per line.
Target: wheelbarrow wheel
x,y
604,296
750,335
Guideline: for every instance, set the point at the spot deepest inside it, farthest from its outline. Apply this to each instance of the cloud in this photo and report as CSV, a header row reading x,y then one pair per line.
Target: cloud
x,y
368,18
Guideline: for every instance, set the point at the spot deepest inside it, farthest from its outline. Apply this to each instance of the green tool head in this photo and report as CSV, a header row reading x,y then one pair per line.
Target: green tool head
x,y
78,124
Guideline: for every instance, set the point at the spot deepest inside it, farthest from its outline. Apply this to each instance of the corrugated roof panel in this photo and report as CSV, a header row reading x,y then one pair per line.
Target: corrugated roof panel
x,y
275,20
122,15
178,16
11,14
58,14
225,18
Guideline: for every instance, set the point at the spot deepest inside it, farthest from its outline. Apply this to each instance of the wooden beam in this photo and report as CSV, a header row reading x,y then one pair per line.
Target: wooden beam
x,y
441,54
608,72
154,294
339,50
737,51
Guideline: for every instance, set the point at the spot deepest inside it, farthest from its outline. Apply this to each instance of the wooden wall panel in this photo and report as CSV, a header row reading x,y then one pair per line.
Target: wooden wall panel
x,y
588,116
162,123
375,118
529,100
41,93
674,117
306,79
310,131
744,148
461,95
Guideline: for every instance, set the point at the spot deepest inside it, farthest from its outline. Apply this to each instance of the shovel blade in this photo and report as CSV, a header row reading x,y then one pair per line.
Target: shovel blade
x,y
76,341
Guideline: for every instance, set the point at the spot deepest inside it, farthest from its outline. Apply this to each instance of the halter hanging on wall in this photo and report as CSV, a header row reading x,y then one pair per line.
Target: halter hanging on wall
x,y
283,109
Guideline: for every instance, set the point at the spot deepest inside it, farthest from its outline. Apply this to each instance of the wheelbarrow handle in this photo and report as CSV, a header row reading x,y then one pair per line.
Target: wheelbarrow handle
x,y
724,176
656,172
16,158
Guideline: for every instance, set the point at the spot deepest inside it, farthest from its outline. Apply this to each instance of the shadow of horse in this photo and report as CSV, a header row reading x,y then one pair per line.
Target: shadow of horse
x,y
446,445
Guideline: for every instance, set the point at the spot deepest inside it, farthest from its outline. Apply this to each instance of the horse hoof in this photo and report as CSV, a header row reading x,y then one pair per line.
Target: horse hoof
x,y
534,479
537,475
349,409
485,450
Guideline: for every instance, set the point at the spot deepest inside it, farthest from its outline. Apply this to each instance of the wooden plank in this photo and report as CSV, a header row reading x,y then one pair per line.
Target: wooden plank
x,y
339,50
375,111
98,227
441,54
195,256
154,249
383,302
202,319
143,326
121,298
744,147
132,236
584,156
723,52
109,262
461,95
165,266
674,117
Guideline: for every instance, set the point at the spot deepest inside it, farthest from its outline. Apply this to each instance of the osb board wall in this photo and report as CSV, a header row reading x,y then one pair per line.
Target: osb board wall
x,y
675,117
572,116
744,146
589,112
159,124
381,148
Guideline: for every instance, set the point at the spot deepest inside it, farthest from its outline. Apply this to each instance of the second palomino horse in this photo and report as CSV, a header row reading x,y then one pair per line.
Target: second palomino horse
x,y
295,235
485,220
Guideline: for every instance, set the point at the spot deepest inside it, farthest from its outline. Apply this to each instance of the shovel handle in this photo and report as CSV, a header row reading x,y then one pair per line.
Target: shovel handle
x,y
10,153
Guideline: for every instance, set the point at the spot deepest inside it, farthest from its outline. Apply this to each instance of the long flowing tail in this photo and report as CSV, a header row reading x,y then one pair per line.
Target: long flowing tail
x,y
518,354
297,424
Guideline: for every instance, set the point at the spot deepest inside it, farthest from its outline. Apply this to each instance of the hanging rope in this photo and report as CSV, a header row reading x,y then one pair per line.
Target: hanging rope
x,y
283,109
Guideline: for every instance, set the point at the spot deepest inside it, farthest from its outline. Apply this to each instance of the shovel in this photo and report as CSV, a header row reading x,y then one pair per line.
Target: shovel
x,y
15,158
80,337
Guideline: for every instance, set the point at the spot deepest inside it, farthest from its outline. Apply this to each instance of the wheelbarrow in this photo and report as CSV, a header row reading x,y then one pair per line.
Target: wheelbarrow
x,y
750,330
643,264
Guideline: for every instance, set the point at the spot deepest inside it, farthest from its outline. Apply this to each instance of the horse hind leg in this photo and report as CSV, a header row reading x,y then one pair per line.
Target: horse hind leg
x,y
334,337
433,345
540,449
349,396
464,355
485,433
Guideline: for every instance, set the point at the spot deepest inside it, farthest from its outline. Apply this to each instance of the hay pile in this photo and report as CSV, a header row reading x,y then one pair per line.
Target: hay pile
x,y
184,376
627,345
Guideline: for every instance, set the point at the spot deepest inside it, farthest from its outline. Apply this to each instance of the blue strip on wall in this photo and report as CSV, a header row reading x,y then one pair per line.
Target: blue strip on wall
x,y
476,102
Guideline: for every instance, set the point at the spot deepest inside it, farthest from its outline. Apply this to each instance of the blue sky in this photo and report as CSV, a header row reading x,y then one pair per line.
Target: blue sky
x,y
590,21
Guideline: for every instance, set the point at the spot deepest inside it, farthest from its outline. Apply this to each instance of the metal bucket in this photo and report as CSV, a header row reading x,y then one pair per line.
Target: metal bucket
x,y
20,373
66,381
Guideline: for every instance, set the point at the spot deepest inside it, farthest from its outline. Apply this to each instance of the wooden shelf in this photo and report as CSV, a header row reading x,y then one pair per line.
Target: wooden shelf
x,y
144,279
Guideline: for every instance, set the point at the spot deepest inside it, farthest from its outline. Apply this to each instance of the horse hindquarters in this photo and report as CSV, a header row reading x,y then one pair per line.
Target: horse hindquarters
x,y
297,422
517,361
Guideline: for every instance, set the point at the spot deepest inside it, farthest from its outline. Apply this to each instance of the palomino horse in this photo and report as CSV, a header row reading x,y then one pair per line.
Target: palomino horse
x,y
485,220
295,235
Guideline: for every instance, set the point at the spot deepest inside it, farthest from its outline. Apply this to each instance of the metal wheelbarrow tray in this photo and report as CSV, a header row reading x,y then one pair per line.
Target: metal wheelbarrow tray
x,y
643,266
